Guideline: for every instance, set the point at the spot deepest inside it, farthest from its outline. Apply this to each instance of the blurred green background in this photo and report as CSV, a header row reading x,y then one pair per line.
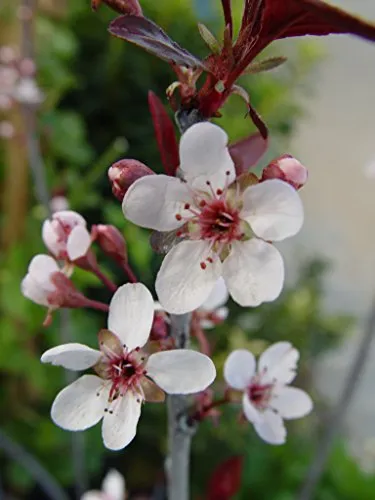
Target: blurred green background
x,y
96,112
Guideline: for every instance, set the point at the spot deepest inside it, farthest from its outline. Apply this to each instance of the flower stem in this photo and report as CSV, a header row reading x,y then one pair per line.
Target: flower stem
x,y
104,279
95,304
338,413
200,415
204,344
179,430
129,271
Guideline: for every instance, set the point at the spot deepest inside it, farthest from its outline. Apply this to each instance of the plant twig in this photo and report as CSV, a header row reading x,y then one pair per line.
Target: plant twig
x,y
31,464
338,413
179,430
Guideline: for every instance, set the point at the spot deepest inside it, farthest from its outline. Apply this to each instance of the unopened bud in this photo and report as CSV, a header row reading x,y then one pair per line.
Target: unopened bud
x,y
65,293
124,173
288,169
27,67
127,7
111,241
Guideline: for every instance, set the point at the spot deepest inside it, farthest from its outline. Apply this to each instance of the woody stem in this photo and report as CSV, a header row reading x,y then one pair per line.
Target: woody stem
x,y
179,430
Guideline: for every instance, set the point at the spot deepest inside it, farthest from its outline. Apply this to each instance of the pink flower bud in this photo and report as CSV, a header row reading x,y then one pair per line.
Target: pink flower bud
x,y
47,285
127,7
27,67
123,173
66,236
288,169
65,293
111,241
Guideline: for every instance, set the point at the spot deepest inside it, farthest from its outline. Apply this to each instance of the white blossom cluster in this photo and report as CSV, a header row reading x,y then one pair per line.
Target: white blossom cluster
x,y
224,229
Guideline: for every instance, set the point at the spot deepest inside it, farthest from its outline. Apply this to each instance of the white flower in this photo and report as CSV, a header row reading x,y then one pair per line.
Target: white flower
x,y
113,488
267,397
66,236
226,231
127,376
38,284
213,310
26,91
58,203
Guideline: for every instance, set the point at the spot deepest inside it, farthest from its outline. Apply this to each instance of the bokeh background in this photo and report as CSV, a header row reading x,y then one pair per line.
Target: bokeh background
x,y
320,107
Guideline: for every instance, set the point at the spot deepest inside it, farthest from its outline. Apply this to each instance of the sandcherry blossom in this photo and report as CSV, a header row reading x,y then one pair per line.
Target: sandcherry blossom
x,y
267,398
225,229
65,235
126,375
39,284
113,488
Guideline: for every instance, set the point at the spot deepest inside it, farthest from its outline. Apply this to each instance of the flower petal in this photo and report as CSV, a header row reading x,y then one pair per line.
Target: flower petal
x,y
220,179
271,428
203,150
181,371
253,272
81,404
250,412
182,284
78,243
291,402
114,485
131,313
69,218
279,363
273,209
50,238
72,356
218,297
120,427
239,368
32,290
41,267
154,201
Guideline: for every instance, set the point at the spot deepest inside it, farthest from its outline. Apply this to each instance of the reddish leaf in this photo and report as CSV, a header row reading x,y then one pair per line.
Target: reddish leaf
x,y
247,152
151,37
225,480
312,17
267,20
165,134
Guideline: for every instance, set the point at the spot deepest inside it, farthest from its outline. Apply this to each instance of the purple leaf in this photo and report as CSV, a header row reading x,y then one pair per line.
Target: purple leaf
x,y
150,37
247,152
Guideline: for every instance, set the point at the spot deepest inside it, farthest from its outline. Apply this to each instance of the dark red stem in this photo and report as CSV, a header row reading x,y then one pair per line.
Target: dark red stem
x,y
104,279
130,273
95,304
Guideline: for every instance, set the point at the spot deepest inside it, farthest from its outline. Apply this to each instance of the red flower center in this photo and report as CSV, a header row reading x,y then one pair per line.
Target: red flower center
x,y
259,394
219,222
125,372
